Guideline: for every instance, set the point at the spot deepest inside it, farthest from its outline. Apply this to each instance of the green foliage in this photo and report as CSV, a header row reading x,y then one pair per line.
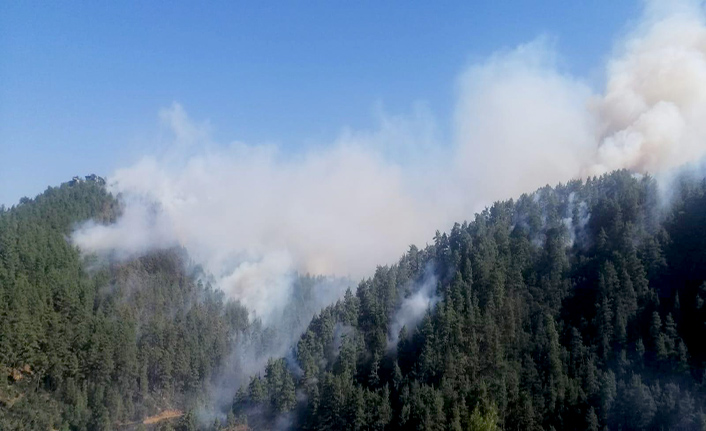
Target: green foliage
x,y
578,307
484,422
85,344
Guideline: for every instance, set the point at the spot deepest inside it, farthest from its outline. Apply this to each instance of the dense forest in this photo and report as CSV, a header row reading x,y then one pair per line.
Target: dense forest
x,y
578,307
93,343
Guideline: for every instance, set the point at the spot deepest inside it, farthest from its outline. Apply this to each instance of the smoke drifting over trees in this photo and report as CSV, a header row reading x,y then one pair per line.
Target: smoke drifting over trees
x,y
572,305
252,214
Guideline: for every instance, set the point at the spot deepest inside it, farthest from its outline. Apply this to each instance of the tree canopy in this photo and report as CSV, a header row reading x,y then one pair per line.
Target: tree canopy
x,y
577,307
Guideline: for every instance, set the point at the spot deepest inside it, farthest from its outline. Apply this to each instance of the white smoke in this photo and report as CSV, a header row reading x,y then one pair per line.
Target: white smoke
x,y
652,115
252,214
576,218
140,228
521,124
413,308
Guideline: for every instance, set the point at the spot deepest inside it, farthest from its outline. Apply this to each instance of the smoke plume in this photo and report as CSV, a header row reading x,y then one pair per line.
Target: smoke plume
x,y
251,214
651,117
422,298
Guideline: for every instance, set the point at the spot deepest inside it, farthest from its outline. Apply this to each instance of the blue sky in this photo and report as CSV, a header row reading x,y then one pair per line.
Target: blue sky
x,y
81,84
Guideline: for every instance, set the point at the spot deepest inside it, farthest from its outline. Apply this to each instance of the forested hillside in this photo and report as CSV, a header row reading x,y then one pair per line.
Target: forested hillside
x,y
93,342
579,307
92,348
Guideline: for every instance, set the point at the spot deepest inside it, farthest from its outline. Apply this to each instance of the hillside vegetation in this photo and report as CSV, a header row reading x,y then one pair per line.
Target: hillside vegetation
x,y
88,349
578,307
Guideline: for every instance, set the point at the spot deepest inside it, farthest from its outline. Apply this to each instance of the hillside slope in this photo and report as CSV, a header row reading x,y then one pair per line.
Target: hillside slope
x,y
578,307
575,307
103,342
87,345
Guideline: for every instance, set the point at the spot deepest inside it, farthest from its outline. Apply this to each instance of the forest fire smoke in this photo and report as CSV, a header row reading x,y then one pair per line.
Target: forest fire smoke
x,y
252,214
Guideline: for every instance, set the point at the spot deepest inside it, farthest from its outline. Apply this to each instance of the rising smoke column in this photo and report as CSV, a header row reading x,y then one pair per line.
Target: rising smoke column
x,y
652,116
251,215
520,124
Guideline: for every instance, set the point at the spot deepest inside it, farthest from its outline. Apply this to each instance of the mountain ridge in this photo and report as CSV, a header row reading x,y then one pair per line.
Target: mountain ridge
x,y
574,307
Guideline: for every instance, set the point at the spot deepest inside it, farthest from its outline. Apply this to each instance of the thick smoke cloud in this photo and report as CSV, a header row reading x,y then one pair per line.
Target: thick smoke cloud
x,y
521,124
252,214
651,117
